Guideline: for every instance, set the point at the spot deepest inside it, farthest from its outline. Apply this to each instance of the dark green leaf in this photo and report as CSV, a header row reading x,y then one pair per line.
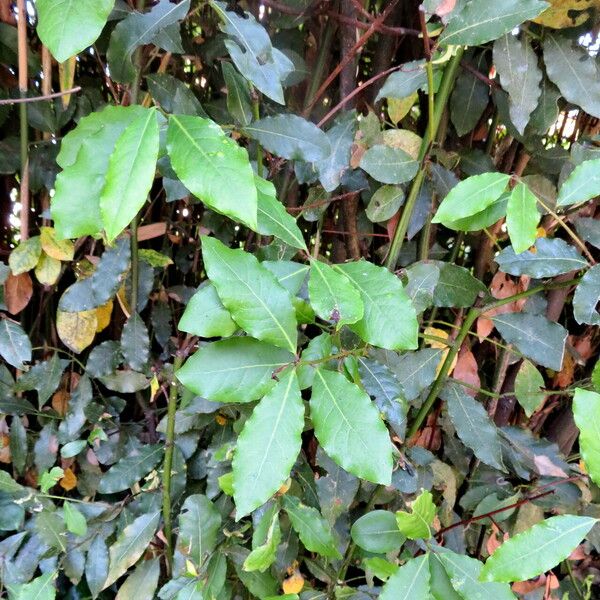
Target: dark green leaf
x,y
15,347
456,287
135,343
587,296
199,523
173,95
239,102
404,82
469,99
528,383
389,165
377,532
129,470
411,581
385,202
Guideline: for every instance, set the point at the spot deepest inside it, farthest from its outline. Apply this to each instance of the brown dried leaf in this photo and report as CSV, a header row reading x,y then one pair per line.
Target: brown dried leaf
x,y
60,402
68,481
466,370
149,232
18,290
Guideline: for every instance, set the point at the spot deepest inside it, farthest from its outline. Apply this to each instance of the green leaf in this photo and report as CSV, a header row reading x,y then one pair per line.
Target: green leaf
x,y
206,316
25,256
262,557
341,138
41,588
68,27
313,530
528,383
199,524
589,230
581,185
471,196
256,301
130,469
416,371
84,157
348,427
49,479
408,79
9,486
290,137
158,26
482,219
586,410
383,295
236,370
135,343
389,165
213,167
473,426
456,287
377,532
74,520
384,203
517,65
423,278
551,257
536,337
131,543
15,347
587,295
332,295
464,573
130,173
470,97
268,445
416,523
154,258
486,20
574,71
142,582
239,103
410,582
273,218
250,48
522,218
173,95
537,549
96,565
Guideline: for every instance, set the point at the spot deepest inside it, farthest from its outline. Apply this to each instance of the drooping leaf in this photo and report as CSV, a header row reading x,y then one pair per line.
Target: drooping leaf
x,y
377,532
199,523
528,383
536,337
471,196
416,524
389,165
291,137
96,565
537,549
587,295
517,65
130,545
332,295
130,174
383,295
522,218
586,411
474,426
68,27
135,342
268,445
486,20
235,370
130,469
341,138
15,347
470,97
310,526
349,428
206,316
203,158
551,257
142,582
404,82
251,294
273,219
158,26
574,71
239,102
410,581
173,95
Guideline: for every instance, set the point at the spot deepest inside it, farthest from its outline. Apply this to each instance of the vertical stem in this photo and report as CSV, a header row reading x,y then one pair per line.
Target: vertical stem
x,y
439,381
320,63
168,465
24,133
440,105
259,150
46,90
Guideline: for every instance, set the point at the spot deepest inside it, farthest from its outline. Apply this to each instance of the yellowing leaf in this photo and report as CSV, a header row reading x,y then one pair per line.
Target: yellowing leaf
x,y
293,584
68,481
404,139
398,108
76,329
66,77
563,14
103,314
154,387
58,249
154,258
439,345
47,270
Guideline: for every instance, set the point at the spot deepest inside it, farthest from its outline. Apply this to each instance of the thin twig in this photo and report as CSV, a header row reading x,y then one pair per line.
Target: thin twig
x,y
24,132
40,98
